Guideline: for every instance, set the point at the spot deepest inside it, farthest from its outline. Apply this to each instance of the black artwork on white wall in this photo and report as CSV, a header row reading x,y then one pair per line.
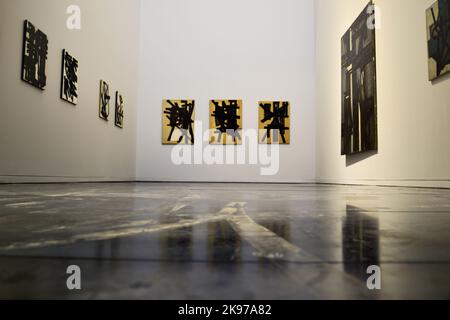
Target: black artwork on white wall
x,y
119,110
104,100
359,87
34,57
69,79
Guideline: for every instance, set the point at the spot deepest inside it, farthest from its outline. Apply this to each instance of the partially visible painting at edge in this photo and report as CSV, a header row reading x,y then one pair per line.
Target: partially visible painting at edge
x,y
438,33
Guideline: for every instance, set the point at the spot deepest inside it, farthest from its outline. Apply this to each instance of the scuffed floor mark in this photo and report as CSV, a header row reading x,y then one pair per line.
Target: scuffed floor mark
x,y
266,243
125,232
24,204
178,207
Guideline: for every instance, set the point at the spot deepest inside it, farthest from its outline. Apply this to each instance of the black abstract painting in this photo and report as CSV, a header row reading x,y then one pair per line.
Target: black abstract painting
x,y
226,121
274,122
438,31
119,110
69,78
359,89
104,100
178,122
34,56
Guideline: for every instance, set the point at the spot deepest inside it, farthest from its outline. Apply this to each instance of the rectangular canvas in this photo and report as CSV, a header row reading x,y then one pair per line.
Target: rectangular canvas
x,y
119,114
69,78
104,100
359,88
438,32
274,122
225,122
178,117
34,56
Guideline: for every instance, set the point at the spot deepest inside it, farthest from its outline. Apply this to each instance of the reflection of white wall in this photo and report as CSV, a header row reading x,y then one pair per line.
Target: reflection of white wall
x,y
46,138
251,50
413,114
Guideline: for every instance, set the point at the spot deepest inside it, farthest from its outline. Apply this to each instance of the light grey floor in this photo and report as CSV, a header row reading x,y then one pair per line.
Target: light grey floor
x,y
223,241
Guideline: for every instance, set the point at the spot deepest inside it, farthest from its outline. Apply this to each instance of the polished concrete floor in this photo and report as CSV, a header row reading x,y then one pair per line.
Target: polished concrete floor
x,y
223,241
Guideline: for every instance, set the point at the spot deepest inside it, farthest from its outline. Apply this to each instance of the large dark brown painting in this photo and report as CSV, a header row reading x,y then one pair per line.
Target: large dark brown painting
x,y
359,88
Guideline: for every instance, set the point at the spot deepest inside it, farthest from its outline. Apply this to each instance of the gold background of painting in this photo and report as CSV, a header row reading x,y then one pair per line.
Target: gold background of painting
x,y
226,139
166,122
262,131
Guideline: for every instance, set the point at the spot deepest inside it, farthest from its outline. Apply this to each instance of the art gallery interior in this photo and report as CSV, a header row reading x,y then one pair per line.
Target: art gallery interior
x,y
92,176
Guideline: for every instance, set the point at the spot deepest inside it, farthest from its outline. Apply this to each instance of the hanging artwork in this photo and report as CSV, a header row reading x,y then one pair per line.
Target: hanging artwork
x,y
69,78
119,110
34,56
359,89
178,118
274,122
104,100
438,31
225,122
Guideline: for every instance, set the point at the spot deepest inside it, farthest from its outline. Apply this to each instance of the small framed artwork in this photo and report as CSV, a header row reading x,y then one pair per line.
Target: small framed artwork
x,y
34,56
119,110
274,122
104,100
69,78
178,117
438,32
225,122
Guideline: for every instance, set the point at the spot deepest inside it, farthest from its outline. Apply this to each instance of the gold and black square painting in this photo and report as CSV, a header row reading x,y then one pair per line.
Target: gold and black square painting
x,y
225,122
274,122
178,117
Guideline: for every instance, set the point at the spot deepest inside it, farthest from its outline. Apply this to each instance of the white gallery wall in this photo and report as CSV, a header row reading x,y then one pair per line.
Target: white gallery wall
x,y
218,49
413,113
254,50
43,138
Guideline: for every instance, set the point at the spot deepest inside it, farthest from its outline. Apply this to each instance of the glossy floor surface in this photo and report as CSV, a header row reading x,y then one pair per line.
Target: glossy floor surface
x,y
223,241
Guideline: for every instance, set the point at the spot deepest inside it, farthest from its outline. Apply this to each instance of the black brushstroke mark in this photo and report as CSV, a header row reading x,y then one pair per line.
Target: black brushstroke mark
x,y
34,57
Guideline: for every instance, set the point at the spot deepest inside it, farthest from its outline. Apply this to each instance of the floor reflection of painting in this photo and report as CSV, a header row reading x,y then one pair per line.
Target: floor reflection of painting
x,y
360,242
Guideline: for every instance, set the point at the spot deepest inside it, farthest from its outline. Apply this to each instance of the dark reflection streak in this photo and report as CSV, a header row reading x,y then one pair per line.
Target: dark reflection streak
x,y
176,245
224,245
360,242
